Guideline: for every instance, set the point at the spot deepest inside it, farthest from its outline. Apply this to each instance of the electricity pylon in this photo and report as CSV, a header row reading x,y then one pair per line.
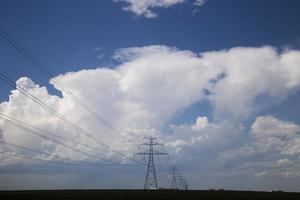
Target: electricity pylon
x,y
178,181
151,179
173,173
182,183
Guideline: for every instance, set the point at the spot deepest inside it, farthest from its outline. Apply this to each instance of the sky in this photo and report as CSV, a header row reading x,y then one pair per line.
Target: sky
x,y
216,81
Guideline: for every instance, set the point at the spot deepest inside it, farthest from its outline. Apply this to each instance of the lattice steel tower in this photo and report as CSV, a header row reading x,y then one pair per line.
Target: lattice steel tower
x,y
151,179
178,181
173,173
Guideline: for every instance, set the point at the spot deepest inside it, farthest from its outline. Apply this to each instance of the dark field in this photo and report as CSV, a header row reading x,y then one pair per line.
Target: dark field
x,y
140,195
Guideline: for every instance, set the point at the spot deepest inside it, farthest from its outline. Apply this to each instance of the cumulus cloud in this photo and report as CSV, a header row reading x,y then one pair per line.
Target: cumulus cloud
x,y
199,2
145,7
283,162
271,126
251,76
204,138
272,149
249,73
201,123
273,134
254,75
150,84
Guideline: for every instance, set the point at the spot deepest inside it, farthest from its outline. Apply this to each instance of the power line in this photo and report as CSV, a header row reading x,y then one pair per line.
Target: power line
x,y
42,104
28,130
49,75
47,132
60,116
39,159
55,156
27,127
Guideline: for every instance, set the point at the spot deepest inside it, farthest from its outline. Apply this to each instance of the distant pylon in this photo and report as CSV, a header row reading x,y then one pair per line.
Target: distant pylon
x,y
183,185
178,182
173,172
151,179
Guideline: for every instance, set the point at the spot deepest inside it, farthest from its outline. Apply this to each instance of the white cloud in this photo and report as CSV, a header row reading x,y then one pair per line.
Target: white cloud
x,y
204,139
272,147
260,174
252,76
283,162
199,2
99,50
201,122
153,83
272,134
145,7
240,80
100,56
271,126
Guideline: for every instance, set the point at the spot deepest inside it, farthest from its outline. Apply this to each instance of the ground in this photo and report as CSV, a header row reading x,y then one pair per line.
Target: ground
x,y
141,194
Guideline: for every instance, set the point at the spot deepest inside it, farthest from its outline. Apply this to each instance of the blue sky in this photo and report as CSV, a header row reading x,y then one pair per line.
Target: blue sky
x,y
63,35
70,36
